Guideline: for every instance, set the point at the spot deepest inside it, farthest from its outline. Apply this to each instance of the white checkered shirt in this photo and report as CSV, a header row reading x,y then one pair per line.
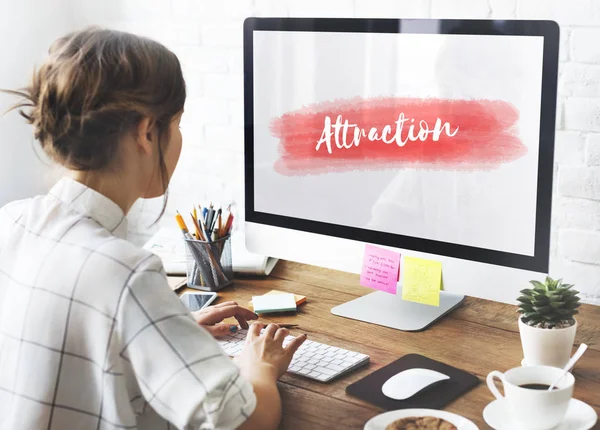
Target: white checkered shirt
x,y
91,336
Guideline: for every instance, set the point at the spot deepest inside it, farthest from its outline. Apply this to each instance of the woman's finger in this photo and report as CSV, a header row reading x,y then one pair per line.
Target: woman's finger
x,y
254,331
242,322
281,334
271,330
219,314
221,330
294,344
220,305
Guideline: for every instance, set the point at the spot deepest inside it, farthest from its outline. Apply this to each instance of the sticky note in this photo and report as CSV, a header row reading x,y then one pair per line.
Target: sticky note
x,y
274,303
380,269
422,281
299,298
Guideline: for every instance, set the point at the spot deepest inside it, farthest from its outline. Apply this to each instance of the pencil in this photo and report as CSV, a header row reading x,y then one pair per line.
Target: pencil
x,y
225,222
197,227
229,225
182,226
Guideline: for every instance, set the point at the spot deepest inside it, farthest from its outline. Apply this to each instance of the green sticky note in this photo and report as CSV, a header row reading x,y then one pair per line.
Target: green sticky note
x,y
274,303
422,281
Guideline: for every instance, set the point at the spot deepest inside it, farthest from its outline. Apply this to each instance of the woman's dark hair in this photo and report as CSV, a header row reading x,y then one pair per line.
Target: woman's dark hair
x,y
95,86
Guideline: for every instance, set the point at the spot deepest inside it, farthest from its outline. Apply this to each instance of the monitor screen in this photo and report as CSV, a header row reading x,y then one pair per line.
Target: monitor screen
x,y
421,135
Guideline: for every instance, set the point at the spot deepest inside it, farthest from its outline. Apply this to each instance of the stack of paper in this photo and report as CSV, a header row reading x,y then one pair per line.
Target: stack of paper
x,y
168,244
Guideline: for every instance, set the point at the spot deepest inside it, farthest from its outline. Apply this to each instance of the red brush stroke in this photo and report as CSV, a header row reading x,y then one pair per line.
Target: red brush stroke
x,y
487,136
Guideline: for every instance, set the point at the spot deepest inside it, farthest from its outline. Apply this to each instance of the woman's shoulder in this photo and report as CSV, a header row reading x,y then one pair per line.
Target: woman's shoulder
x,y
132,256
15,207
11,214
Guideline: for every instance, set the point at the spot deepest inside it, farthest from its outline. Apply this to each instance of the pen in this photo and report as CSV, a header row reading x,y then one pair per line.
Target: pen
x,y
218,222
203,230
287,325
209,219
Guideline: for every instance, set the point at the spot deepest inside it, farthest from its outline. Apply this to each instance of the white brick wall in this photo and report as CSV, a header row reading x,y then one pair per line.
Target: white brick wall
x,y
584,45
207,36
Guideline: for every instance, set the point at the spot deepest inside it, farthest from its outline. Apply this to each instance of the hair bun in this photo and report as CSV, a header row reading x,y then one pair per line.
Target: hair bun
x,y
95,86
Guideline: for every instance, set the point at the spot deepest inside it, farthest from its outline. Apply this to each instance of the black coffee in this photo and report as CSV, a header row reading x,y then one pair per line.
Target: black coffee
x,y
536,386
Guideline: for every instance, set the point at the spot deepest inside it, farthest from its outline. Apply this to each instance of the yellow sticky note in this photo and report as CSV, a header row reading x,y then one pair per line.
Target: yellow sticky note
x,y
422,281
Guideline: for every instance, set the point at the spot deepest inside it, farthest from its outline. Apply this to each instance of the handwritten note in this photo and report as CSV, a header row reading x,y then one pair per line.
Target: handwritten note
x,y
380,269
422,281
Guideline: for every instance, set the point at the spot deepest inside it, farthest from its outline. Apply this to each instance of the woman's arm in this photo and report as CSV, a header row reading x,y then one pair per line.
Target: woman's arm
x,y
262,362
267,414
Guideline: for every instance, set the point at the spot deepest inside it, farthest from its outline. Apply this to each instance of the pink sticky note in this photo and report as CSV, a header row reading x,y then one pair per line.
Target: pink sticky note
x,y
380,269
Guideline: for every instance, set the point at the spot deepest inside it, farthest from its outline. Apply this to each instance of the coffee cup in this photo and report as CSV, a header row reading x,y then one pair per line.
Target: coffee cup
x,y
528,402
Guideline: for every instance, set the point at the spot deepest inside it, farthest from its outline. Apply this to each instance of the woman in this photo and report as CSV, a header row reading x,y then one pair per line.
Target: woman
x,y
91,336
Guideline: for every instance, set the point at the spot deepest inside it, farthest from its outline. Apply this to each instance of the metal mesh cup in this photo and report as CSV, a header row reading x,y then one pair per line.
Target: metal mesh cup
x,y
209,265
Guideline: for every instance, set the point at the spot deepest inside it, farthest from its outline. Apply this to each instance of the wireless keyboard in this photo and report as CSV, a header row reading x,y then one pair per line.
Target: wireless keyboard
x,y
313,360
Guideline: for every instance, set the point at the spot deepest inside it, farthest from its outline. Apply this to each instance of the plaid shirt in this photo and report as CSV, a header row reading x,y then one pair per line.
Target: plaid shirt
x,y
91,336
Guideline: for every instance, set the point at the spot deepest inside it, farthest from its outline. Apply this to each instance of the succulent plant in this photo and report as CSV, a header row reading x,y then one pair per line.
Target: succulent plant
x,y
551,304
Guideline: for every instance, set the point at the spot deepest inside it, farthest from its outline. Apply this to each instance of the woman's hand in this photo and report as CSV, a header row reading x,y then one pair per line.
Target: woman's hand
x,y
264,356
210,318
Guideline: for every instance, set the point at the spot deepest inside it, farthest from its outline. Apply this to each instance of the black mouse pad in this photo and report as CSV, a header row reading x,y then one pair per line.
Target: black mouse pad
x,y
434,397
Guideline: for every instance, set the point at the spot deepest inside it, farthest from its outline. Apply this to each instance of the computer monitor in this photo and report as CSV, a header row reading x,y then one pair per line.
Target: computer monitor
x,y
431,137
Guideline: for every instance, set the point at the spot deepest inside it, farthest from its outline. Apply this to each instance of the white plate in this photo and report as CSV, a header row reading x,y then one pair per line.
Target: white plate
x,y
580,416
381,421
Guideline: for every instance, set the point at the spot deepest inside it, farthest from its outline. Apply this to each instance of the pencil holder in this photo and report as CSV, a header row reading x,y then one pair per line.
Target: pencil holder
x,y
209,265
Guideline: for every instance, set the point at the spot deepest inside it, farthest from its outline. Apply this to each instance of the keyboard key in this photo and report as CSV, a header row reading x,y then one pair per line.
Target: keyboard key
x,y
325,371
335,367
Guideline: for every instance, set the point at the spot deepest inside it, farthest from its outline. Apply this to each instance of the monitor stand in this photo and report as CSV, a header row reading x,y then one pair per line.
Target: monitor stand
x,y
391,311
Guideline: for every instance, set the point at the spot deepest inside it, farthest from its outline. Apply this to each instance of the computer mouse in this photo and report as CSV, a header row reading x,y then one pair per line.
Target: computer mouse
x,y
409,382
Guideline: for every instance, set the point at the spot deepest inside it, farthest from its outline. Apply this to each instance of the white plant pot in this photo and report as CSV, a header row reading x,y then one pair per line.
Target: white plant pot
x,y
548,347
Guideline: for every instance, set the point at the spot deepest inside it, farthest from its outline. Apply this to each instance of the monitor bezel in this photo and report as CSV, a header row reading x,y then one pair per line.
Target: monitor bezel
x,y
549,30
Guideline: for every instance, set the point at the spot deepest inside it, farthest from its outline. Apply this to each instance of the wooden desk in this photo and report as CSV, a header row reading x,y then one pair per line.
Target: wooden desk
x,y
479,337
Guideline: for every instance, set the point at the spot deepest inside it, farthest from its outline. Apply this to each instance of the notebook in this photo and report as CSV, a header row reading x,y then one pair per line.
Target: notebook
x,y
168,245
438,396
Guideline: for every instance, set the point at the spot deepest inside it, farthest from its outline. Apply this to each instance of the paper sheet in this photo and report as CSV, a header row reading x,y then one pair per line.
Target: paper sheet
x,y
422,281
380,269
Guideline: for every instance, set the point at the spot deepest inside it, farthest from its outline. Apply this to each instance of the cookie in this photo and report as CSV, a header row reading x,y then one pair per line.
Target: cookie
x,y
420,423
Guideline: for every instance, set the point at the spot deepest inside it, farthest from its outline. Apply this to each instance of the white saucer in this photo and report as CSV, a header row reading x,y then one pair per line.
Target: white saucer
x,y
580,416
381,421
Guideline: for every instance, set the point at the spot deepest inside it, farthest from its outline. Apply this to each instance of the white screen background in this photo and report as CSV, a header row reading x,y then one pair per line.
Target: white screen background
x,y
493,209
